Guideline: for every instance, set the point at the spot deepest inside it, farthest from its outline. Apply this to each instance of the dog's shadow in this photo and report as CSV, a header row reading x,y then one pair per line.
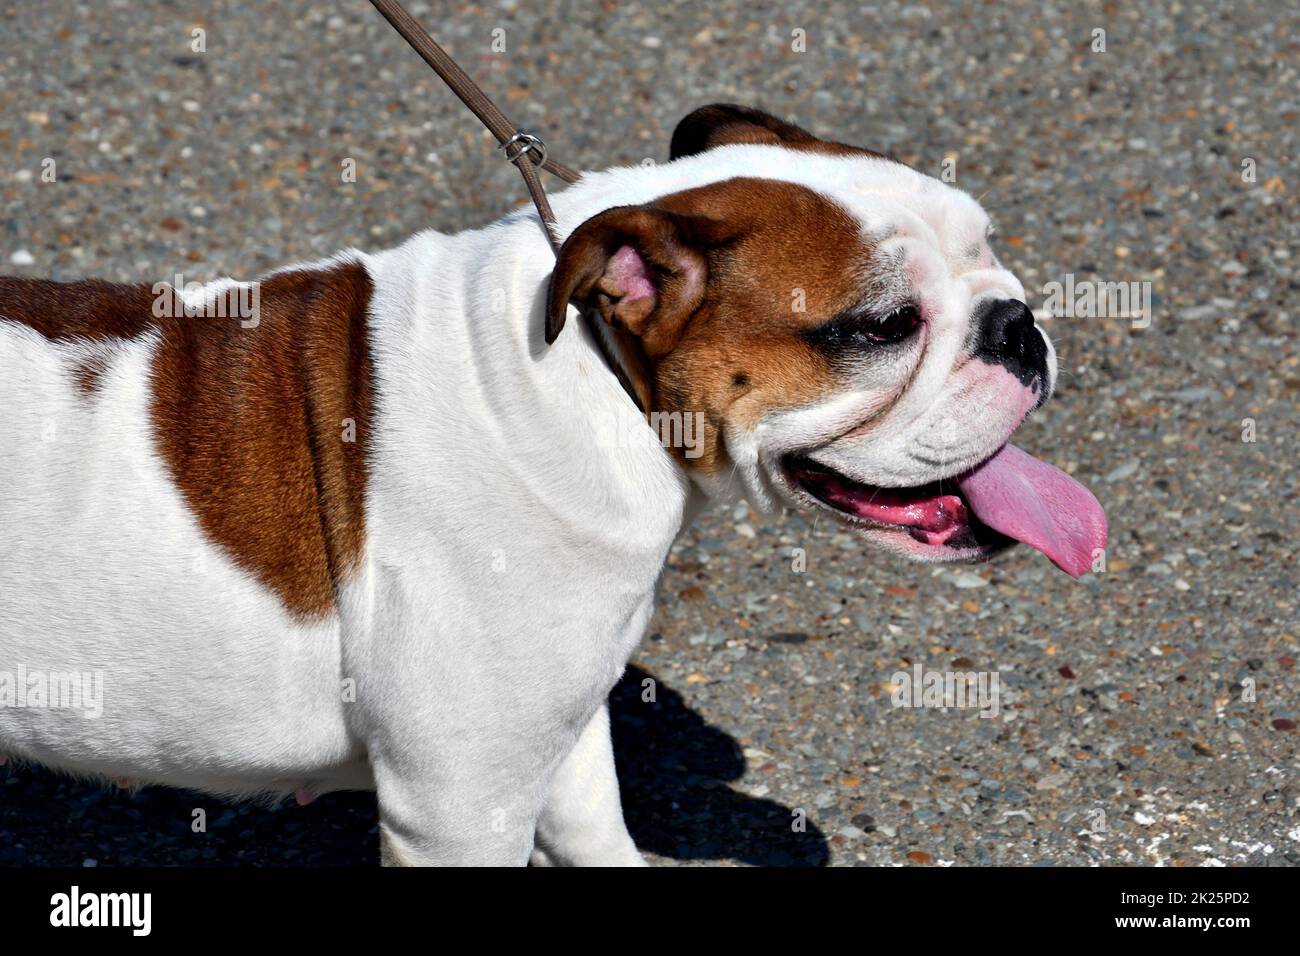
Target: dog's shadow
x,y
673,769
672,766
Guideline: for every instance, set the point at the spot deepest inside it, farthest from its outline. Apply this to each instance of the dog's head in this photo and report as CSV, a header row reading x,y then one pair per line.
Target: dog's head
x,y
843,329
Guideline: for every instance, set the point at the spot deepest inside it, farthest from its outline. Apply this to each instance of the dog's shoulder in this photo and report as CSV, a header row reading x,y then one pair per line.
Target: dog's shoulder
x,y
262,414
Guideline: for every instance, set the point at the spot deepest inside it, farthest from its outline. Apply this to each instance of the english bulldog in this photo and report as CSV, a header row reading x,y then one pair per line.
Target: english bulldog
x,y
374,533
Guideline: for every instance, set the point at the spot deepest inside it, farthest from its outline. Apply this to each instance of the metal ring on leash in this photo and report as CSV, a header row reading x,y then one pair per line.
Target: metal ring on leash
x,y
524,142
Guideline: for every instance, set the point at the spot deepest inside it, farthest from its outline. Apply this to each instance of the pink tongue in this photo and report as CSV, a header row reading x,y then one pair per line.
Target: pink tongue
x,y
1039,505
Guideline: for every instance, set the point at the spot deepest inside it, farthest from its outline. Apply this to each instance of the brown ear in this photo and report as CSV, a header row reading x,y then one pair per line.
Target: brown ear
x,y
722,124
643,268
725,124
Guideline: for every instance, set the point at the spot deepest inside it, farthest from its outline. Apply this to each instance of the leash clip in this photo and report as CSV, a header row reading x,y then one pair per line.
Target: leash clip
x,y
522,143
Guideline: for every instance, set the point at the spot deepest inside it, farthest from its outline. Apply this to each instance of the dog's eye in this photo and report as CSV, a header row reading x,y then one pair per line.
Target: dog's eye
x,y
867,331
895,326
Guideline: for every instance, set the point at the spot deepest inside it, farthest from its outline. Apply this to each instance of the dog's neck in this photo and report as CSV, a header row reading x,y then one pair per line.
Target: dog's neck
x,y
463,374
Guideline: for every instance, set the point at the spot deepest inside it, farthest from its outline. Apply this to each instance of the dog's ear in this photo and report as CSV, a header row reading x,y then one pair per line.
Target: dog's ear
x,y
643,268
723,124
726,124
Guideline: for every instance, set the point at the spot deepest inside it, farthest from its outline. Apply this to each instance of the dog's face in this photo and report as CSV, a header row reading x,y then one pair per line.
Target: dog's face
x,y
848,335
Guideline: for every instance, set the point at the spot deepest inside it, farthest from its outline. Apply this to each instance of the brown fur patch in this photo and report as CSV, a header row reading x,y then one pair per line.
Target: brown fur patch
x,y
777,259
89,309
252,422
797,244
88,372
723,124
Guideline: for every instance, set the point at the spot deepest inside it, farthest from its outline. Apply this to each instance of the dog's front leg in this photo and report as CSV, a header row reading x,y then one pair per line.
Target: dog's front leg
x,y
462,778
582,824
436,820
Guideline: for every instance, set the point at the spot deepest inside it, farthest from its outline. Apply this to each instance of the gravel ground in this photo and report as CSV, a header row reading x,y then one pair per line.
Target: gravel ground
x,y
1121,695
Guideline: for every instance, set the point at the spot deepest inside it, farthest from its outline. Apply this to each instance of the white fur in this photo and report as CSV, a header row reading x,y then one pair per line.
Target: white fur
x,y
510,565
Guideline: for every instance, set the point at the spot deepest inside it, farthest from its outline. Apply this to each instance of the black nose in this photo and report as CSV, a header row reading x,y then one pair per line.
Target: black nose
x,y
1006,336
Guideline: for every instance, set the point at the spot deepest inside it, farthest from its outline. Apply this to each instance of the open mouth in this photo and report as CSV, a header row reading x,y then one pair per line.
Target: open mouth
x,y
1011,496
934,514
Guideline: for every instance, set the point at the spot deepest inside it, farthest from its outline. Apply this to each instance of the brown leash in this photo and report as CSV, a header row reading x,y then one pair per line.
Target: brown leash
x,y
524,149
